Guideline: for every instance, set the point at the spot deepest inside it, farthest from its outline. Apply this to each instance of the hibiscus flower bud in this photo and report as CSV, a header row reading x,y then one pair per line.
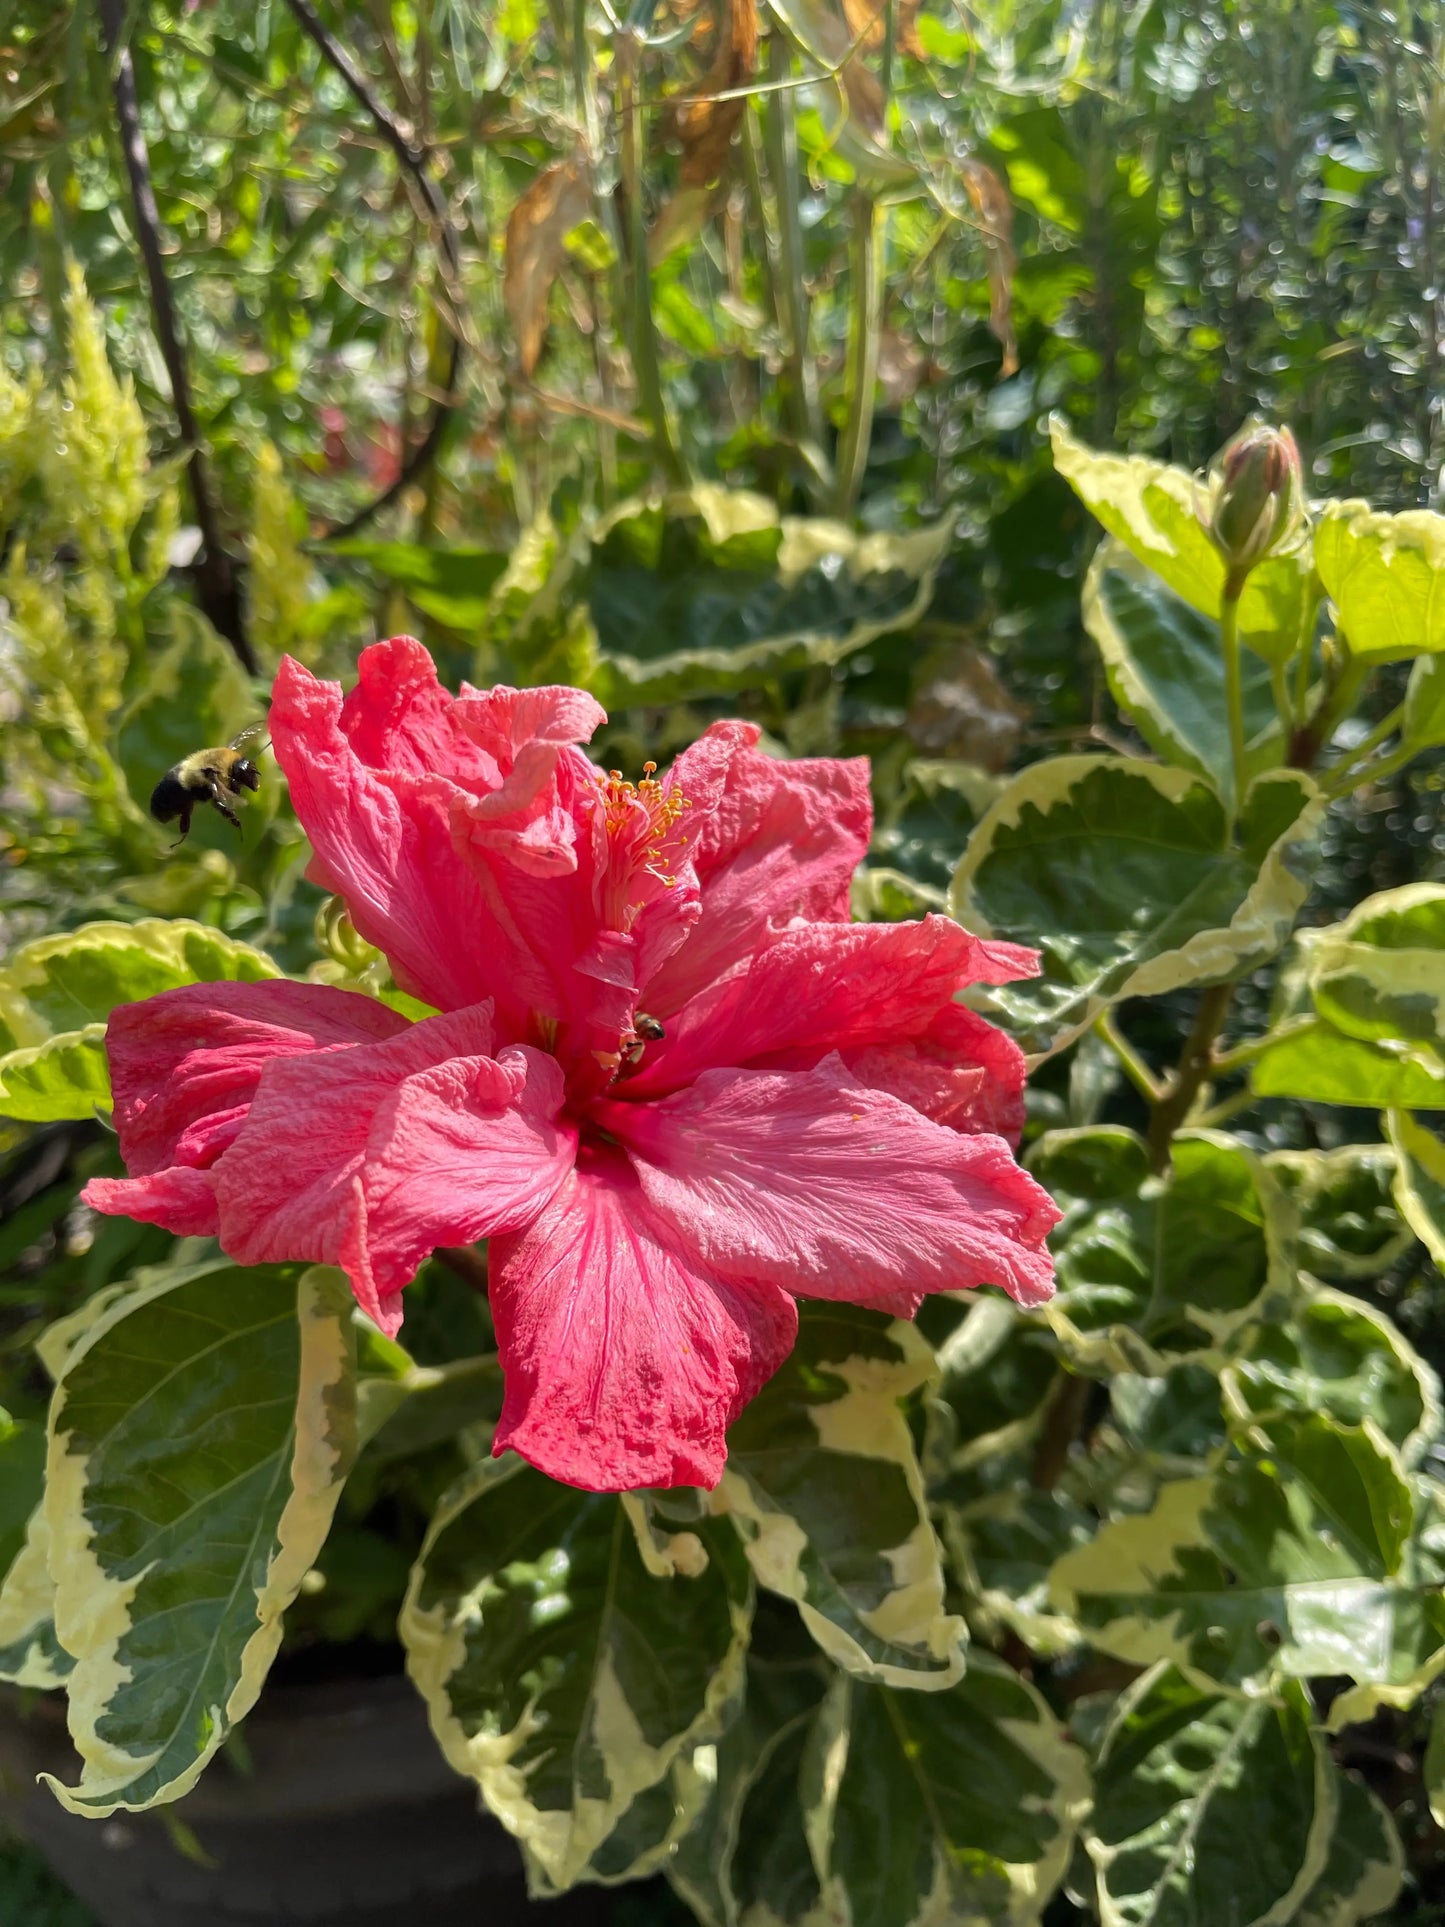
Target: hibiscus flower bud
x,y
337,935
1254,502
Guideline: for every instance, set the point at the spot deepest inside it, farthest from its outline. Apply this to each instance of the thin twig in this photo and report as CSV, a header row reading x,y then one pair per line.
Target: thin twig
x,y
413,160
215,579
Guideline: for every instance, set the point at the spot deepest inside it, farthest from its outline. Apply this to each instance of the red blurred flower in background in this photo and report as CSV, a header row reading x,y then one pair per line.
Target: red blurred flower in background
x,y
818,1116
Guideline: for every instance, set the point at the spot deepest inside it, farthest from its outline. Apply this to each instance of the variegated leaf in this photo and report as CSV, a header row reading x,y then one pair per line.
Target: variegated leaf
x,y
1337,1356
1348,1224
1153,509
824,1485
1165,666
1155,1271
1420,1181
56,993
960,1806
1362,1877
1127,878
199,1436
559,1673
1209,1807
1293,1562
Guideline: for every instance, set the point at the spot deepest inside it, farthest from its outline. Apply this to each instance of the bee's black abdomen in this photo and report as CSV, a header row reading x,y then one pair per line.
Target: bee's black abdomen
x,y
169,798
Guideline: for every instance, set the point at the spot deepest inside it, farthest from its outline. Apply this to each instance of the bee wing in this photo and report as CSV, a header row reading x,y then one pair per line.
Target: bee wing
x,y
246,735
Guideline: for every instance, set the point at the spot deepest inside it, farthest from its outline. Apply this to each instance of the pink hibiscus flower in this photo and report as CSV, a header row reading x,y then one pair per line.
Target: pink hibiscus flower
x,y
669,1079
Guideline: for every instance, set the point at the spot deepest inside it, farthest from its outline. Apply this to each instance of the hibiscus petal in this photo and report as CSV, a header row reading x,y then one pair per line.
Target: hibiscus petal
x,y
962,1072
371,1158
828,986
625,1362
830,1189
384,843
184,1066
771,842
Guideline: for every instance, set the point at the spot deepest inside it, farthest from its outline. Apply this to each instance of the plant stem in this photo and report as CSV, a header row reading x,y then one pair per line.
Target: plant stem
x,y
780,147
865,317
1133,1065
1383,729
1196,1064
1333,710
1233,689
216,587
1284,709
626,48
1372,773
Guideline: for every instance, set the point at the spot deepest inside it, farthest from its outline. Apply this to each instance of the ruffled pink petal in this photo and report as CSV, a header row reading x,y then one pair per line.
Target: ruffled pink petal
x,y
401,720
814,1182
625,1362
184,1067
961,1071
383,841
771,842
828,986
371,1158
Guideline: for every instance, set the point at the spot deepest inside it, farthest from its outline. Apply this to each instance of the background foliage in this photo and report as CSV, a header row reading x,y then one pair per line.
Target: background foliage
x,y
707,355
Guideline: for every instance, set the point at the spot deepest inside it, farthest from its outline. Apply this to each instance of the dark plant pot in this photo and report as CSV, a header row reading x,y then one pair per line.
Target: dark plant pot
x,y
349,1815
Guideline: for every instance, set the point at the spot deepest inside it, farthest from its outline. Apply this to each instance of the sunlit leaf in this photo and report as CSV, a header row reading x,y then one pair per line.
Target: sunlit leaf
x,y
1385,574
199,1437
1124,875
1152,508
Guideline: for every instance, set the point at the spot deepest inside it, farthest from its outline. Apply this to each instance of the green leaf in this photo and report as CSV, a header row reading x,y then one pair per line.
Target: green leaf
x,y
1313,1061
1349,1227
1385,575
561,1675
1123,875
1150,508
747,1848
1420,1181
1379,974
959,1806
1209,1808
22,1481
1290,1563
452,585
199,1437
1165,668
825,1488
1154,1271
78,978
56,993
709,589
195,694
66,1076
1337,1356
1423,724
1377,992
1365,1870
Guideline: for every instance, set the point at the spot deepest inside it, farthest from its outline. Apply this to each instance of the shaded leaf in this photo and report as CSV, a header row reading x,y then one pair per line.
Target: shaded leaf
x,y
1348,1224
960,1805
1420,1181
1155,1271
1165,668
1209,1808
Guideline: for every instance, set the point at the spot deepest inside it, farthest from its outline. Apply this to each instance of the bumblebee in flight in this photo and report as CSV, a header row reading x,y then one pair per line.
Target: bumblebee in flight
x,y
207,776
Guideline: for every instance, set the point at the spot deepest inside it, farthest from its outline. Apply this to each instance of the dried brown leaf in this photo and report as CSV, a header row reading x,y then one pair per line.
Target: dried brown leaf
x,y
990,201
705,126
867,23
537,231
